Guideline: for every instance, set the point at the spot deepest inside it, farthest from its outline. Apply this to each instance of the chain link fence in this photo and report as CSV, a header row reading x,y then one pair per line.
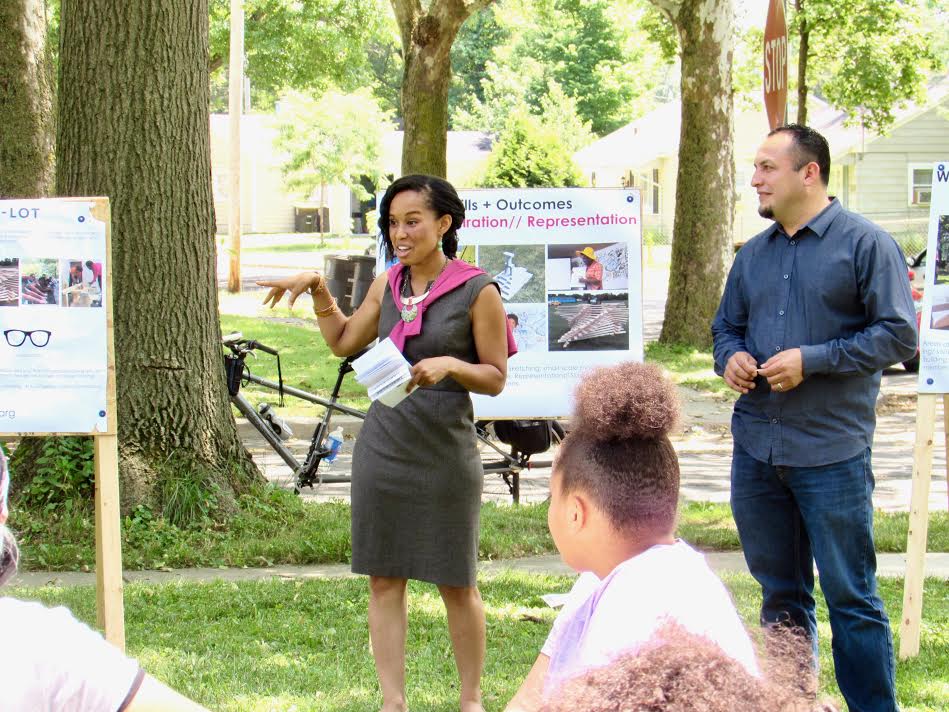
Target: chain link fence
x,y
910,229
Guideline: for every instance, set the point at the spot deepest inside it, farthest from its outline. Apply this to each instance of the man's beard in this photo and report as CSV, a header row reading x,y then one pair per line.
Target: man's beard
x,y
766,212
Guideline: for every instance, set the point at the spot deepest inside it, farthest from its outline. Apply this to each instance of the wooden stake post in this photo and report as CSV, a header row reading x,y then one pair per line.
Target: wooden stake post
x,y
912,616
109,597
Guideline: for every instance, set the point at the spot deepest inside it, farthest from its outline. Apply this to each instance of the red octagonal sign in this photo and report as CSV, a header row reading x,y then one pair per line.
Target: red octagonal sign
x,y
775,64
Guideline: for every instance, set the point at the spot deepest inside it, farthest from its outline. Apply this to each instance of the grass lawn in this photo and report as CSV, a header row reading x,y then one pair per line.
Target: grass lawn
x,y
278,528
305,360
688,367
303,645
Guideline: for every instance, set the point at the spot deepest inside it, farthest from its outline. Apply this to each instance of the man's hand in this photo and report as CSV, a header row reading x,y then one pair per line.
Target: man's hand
x,y
740,372
784,370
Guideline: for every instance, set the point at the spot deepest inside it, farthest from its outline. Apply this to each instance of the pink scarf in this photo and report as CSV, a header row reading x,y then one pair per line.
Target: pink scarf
x,y
456,273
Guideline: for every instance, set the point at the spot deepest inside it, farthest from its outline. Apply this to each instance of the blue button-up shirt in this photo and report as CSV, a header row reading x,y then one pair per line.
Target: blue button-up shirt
x,y
839,290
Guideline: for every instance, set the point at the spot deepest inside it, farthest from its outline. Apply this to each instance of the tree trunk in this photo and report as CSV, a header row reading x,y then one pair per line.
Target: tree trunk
x,y
427,37
804,35
26,136
705,185
134,128
26,101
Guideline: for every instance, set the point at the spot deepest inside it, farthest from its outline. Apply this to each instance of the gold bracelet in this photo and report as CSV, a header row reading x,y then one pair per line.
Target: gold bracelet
x,y
320,288
328,310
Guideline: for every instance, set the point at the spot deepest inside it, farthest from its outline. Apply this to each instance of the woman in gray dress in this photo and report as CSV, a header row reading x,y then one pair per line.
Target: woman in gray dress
x,y
417,475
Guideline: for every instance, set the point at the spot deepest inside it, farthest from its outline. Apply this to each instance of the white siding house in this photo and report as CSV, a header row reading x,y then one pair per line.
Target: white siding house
x,y
881,176
266,206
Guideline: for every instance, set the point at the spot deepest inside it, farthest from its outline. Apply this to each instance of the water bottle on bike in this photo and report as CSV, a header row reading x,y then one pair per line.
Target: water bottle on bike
x,y
276,423
334,441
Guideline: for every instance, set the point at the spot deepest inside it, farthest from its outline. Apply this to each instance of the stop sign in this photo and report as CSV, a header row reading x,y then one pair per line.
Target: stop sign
x,y
775,64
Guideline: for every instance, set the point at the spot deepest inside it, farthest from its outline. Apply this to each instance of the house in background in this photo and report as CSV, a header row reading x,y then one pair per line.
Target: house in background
x,y
884,177
267,207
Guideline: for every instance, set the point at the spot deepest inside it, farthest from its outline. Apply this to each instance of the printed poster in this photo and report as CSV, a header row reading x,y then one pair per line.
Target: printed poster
x,y
934,320
53,338
568,262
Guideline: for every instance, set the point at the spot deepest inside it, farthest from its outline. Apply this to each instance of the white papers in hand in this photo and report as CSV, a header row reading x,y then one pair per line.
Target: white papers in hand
x,y
384,372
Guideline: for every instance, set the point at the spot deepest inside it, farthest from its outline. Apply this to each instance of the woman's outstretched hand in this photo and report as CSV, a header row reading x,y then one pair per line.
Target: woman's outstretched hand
x,y
295,285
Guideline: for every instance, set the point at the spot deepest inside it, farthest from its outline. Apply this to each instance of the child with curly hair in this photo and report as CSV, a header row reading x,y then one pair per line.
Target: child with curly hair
x,y
613,501
678,671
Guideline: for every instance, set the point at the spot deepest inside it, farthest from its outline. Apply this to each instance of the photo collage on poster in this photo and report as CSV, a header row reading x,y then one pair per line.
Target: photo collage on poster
x,y
31,282
561,297
940,277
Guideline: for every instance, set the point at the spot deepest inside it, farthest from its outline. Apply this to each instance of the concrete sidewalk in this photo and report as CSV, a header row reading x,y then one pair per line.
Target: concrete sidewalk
x,y
888,565
703,443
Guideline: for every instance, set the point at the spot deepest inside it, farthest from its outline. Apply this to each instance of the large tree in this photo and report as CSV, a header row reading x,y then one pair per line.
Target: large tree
x,y
26,101
427,35
870,55
705,184
133,102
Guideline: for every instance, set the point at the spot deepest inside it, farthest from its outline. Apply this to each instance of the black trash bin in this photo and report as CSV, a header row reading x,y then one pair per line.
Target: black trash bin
x,y
310,219
348,278
338,270
363,274
305,219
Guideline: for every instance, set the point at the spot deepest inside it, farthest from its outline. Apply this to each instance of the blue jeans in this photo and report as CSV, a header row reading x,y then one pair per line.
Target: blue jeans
x,y
790,517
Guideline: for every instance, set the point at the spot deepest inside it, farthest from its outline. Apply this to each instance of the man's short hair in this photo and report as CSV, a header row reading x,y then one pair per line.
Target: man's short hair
x,y
809,146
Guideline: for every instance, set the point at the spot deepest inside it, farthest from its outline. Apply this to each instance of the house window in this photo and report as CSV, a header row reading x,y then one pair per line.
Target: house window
x,y
920,183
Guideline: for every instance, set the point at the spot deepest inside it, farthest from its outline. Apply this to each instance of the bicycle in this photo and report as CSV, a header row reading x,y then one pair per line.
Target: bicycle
x,y
524,438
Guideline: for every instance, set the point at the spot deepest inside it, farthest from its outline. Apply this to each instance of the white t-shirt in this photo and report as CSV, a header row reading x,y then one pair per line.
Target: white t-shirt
x,y
667,583
51,661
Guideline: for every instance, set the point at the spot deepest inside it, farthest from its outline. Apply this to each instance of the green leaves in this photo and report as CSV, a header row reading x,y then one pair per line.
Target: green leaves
x,y
528,155
65,476
869,57
593,51
336,138
307,45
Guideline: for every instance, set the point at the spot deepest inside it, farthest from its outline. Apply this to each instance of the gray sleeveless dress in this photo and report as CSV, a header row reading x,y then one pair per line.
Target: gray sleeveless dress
x,y
417,476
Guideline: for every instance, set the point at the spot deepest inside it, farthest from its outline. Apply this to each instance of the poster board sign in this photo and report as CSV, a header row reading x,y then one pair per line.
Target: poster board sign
x,y
57,360
53,317
568,262
934,321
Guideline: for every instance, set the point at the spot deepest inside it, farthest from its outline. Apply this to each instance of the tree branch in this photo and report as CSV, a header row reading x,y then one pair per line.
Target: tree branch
x,y
406,14
670,8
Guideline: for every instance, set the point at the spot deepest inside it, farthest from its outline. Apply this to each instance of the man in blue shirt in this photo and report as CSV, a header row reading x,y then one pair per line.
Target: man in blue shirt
x,y
814,308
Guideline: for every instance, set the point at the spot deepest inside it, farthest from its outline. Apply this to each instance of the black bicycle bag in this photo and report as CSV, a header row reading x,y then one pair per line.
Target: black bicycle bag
x,y
234,369
528,437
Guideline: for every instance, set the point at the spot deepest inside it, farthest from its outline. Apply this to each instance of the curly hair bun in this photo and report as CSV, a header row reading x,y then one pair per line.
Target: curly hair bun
x,y
629,400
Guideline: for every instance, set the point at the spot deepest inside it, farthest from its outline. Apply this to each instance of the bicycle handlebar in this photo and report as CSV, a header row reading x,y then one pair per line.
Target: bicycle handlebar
x,y
257,346
239,345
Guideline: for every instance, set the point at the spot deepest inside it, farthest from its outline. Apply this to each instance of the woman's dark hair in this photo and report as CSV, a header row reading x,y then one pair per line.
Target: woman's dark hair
x,y
514,317
618,451
442,199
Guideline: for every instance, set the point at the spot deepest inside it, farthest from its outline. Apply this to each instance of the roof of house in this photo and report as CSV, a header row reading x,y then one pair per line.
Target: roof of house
x,y
464,146
656,135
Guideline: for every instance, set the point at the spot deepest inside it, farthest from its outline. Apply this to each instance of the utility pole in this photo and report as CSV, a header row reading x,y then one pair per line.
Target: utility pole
x,y
235,80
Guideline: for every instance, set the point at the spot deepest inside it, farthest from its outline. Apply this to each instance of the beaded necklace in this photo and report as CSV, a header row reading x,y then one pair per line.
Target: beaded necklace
x,y
409,302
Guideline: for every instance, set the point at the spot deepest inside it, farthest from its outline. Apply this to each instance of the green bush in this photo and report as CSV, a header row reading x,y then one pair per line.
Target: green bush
x,y
65,475
530,155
